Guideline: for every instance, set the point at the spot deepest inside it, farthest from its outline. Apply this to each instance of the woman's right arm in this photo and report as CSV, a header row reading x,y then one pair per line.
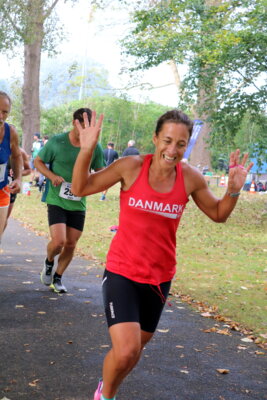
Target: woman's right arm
x,y
84,182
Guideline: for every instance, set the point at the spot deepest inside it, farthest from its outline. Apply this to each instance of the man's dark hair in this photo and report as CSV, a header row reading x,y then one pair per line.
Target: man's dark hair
x,y
176,116
111,144
78,114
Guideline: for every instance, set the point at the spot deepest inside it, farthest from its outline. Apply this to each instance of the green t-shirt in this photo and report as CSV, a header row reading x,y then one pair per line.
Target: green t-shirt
x,y
61,155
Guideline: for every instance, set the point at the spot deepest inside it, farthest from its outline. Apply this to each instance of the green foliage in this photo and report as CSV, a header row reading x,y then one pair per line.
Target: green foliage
x,y
124,120
24,22
224,46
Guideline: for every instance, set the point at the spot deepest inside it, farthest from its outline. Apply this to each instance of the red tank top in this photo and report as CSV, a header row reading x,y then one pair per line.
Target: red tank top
x,y
144,247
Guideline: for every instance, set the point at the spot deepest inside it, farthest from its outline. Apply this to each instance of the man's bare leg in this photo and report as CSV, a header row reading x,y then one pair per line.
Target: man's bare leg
x,y
3,219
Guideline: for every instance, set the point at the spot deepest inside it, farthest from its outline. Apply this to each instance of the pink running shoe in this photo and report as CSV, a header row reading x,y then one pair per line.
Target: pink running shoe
x,y
98,391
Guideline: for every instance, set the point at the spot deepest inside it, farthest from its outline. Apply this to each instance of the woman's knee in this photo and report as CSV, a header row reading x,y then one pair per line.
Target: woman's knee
x,y
126,358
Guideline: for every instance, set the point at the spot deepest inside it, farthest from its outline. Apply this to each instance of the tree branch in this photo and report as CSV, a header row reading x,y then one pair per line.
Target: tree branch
x,y
7,16
50,9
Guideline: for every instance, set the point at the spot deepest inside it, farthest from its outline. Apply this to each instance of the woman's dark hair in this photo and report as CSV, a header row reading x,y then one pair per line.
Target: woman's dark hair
x,y
176,116
78,114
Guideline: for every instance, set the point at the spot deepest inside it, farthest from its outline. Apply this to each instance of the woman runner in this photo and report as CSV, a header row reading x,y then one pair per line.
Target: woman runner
x,y
141,260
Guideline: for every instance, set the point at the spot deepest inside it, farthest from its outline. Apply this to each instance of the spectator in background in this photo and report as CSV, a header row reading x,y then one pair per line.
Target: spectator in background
x,y
131,149
110,155
41,180
36,147
45,139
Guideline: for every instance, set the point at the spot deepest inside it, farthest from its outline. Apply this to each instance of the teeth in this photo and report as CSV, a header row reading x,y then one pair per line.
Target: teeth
x,y
169,158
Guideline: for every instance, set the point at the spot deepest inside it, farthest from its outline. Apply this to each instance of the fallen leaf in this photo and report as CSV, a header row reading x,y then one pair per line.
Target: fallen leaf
x,y
163,330
234,326
223,371
28,260
34,383
247,340
206,314
184,371
19,306
244,287
259,353
179,347
27,283
223,332
104,345
213,329
264,335
242,347
41,312
69,342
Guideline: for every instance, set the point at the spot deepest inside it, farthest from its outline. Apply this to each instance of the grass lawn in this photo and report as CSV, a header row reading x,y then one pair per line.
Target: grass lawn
x,y
221,266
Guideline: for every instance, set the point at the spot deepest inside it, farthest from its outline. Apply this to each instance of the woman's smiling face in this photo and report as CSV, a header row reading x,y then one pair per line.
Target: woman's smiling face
x,y
171,143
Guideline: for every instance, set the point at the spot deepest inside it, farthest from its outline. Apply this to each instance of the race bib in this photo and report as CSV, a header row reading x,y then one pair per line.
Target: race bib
x,y
2,172
66,193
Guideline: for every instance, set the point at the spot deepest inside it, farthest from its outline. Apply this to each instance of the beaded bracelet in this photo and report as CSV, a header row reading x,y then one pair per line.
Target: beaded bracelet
x,y
234,194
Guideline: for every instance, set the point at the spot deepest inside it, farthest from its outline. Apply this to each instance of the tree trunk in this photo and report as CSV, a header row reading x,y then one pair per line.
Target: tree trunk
x,y
30,93
177,78
200,155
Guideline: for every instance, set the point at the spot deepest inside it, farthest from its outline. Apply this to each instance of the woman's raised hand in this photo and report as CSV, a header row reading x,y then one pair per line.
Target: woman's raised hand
x,y
238,171
89,132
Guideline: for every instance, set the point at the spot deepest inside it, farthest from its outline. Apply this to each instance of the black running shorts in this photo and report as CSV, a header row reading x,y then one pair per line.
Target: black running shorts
x,y
58,215
129,301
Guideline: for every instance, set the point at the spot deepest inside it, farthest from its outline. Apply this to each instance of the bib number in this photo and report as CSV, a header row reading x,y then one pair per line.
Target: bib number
x,y
66,193
2,172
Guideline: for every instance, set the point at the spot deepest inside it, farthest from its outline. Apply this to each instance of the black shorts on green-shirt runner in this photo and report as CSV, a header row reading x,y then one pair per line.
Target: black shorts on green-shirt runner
x,y
58,215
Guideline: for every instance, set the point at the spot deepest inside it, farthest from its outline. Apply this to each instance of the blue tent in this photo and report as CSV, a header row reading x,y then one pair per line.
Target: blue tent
x,y
257,169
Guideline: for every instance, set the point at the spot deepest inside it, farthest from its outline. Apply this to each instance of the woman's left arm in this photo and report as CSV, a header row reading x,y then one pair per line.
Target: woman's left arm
x,y
220,209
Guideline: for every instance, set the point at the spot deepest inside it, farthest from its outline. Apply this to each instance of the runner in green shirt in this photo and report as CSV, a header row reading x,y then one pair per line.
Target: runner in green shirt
x,y
66,212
